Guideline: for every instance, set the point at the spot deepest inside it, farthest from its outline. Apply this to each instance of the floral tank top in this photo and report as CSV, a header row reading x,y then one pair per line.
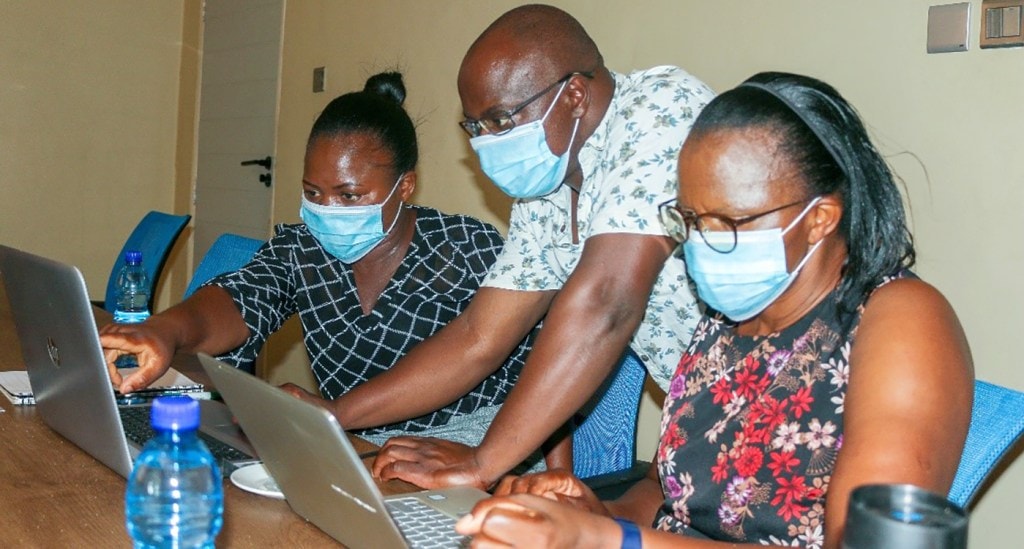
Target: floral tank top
x,y
751,427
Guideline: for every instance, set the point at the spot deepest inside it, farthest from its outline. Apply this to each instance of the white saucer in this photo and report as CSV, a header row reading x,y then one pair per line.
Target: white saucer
x,y
254,478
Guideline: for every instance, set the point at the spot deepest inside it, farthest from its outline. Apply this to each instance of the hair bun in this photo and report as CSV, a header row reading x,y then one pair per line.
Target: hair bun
x,y
387,85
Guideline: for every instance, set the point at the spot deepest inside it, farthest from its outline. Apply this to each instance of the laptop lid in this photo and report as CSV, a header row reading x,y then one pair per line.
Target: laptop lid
x,y
66,368
60,345
311,459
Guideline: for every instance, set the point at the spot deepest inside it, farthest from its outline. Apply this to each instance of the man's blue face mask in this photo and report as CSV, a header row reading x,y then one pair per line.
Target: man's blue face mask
x,y
519,162
347,232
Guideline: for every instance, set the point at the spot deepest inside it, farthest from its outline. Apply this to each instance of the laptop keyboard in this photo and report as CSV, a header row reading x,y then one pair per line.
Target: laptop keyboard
x,y
423,526
137,428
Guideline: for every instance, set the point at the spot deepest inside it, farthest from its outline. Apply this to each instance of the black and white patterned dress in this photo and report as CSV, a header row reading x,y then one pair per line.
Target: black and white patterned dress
x,y
292,274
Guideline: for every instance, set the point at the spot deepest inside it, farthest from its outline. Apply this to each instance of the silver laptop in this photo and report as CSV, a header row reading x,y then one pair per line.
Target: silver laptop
x,y
322,476
62,353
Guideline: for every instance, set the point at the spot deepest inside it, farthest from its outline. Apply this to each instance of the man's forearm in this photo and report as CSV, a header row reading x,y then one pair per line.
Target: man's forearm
x,y
431,376
581,342
587,328
448,364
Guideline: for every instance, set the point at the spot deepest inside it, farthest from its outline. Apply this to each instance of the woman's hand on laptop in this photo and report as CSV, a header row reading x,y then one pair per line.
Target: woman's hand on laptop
x,y
152,351
306,396
559,485
527,520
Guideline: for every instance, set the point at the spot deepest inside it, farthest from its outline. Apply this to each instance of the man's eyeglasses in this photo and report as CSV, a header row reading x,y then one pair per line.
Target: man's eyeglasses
x,y
503,122
678,223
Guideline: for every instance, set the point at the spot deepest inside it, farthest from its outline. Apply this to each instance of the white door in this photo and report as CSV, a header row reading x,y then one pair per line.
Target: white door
x,y
237,119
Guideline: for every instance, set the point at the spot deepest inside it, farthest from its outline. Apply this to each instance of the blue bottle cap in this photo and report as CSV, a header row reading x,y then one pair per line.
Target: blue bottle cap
x,y
133,257
177,413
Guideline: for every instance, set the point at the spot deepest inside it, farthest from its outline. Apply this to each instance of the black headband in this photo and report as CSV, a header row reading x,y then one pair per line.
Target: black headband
x,y
799,113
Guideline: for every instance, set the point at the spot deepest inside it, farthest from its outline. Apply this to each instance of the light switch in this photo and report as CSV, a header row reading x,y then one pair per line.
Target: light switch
x,y
319,79
948,27
1001,23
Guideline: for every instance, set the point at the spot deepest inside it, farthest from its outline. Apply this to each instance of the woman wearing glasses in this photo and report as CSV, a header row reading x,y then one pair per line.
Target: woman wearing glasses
x,y
822,363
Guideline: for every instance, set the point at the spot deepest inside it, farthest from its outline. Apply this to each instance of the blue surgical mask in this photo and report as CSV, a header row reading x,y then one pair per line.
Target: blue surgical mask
x,y
742,283
347,232
519,162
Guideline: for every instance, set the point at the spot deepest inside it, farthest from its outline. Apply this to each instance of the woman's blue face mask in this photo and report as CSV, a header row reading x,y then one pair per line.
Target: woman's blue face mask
x,y
742,283
348,232
519,162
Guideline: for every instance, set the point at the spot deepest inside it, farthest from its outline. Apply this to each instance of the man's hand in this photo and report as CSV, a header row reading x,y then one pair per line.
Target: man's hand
x,y
152,351
430,463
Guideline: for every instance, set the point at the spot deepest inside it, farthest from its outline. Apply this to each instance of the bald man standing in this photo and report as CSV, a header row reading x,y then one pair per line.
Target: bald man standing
x,y
588,154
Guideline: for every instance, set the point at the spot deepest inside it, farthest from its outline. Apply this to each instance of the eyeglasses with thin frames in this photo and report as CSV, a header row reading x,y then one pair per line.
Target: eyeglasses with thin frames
x,y
503,122
678,223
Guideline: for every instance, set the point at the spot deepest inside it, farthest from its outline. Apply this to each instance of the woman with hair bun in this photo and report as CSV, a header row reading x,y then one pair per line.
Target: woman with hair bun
x,y
368,274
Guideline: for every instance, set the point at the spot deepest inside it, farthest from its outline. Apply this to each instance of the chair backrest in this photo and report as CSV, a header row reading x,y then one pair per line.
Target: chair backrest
x,y
153,236
605,441
997,421
228,253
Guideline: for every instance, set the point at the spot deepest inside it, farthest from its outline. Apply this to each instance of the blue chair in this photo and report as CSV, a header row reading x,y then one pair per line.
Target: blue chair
x,y
228,253
997,421
604,442
153,236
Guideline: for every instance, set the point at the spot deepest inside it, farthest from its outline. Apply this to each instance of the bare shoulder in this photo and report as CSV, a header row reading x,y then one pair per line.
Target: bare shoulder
x,y
907,295
911,360
910,322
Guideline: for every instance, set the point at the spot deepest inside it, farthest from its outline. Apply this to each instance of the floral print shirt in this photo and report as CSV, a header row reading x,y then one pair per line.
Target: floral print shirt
x,y
751,427
629,167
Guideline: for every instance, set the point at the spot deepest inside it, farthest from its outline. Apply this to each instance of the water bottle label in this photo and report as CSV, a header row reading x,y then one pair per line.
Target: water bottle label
x,y
130,317
126,361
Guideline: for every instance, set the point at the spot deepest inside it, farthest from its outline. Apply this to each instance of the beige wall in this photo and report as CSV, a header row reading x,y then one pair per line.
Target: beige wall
x,y
89,96
98,101
955,115
187,118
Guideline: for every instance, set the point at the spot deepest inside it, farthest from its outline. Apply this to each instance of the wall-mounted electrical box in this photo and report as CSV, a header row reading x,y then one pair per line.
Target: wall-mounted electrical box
x,y
1001,23
948,27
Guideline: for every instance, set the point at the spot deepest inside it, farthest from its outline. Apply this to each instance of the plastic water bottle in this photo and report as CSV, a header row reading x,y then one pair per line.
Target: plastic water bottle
x,y
174,496
132,290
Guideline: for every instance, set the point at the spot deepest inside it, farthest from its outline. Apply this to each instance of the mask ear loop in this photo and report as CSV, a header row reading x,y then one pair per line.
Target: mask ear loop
x,y
816,244
553,101
393,189
572,138
397,213
803,212
575,126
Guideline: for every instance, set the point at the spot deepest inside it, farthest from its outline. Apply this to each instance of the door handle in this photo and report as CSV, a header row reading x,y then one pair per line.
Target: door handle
x,y
266,163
